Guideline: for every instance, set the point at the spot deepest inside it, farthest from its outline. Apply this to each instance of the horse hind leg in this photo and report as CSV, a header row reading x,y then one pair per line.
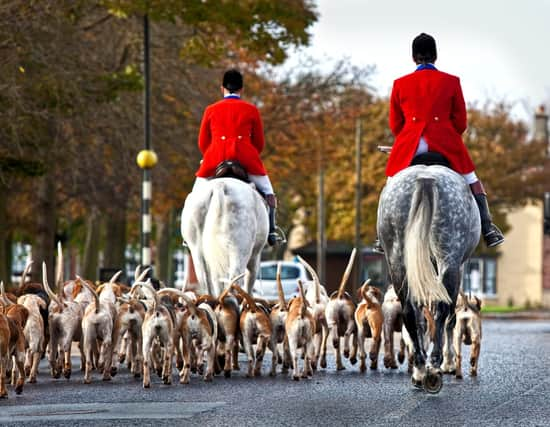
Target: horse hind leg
x,y
414,329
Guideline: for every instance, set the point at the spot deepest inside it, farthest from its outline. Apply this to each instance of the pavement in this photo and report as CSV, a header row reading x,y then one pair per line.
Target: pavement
x,y
512,389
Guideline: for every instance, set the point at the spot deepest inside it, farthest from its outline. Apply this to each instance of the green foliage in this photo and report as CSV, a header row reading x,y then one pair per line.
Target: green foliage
x,y
263,29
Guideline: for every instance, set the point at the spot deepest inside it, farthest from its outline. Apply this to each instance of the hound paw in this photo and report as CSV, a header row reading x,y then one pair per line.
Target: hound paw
x,y
353,360
114,371
296,377
227,373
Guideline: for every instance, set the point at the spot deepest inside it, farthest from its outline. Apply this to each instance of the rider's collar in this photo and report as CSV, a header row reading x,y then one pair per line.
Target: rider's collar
x,y
426,67
232,96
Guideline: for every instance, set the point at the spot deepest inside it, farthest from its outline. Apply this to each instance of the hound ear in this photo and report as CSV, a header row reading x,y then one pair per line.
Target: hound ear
x,y
477,302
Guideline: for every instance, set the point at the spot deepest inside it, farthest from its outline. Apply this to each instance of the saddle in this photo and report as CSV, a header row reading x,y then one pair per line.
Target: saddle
x,y
231,169
429,159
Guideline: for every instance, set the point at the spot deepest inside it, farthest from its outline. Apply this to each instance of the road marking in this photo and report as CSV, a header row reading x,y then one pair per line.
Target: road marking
x,y
106,411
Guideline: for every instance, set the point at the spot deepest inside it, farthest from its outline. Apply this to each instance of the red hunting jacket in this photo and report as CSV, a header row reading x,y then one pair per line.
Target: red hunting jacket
x,y
428,102
231,129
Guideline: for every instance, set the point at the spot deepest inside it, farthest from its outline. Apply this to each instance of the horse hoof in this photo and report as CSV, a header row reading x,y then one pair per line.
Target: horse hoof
x,y
433,381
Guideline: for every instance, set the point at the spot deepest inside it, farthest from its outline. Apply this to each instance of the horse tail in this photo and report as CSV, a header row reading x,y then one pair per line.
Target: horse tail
x,y
215,245
420,247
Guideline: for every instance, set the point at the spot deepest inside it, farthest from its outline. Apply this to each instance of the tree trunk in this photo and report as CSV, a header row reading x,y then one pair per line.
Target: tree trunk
x,y
91,247
44,246
163,257
115,240
5,238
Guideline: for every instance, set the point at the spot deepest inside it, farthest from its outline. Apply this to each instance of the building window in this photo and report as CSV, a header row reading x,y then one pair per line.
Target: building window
x,y
480,277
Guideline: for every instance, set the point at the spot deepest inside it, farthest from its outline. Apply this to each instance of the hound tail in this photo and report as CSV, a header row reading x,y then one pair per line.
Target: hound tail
x,y
421,249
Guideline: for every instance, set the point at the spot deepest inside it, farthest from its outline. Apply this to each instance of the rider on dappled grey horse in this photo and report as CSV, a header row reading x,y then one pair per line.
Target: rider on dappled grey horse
x,y
428,114
231,130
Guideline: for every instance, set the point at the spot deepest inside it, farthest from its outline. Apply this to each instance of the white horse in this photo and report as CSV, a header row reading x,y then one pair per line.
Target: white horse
x,y
225,224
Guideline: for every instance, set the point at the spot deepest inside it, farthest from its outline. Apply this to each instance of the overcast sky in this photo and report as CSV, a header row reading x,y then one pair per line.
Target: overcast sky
x,y
499,48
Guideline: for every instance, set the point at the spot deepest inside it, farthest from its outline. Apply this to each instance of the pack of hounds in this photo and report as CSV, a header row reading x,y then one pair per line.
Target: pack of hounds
x,y
147,328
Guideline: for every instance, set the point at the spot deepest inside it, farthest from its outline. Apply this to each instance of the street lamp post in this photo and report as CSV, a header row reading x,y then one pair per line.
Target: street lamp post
x,y
146,158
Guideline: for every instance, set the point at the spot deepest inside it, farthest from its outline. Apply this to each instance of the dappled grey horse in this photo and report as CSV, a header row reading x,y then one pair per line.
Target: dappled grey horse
x,y
428,225
225,225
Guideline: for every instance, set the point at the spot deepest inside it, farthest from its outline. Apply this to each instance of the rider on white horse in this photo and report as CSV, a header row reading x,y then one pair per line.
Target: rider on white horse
x,y
232,130
428,114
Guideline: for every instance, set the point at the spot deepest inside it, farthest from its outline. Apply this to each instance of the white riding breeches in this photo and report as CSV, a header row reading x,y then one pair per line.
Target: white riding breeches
x,y
262,183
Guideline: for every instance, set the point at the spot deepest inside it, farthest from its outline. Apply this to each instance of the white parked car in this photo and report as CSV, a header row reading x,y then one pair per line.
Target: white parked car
x,y
265,286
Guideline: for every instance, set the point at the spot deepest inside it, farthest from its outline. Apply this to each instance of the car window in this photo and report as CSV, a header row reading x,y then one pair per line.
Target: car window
x,y
269,272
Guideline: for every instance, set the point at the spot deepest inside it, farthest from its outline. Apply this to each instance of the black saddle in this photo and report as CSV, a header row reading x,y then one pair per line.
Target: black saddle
x,y
430,158
231,169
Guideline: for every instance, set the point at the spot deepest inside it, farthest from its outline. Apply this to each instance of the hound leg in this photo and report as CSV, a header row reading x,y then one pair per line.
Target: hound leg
x,y
34,366
389,350
107,351
293,345
336,345
375,347
474,356
211,354
249,354
3,364
67,363
260,351
401,354
274,355
229,349
448,366
287,358
317,346
88,350
167,365
361,344
147,362
457,344
20,364
236,366
28,361
476,347
137,355
323,361
52,355
185,353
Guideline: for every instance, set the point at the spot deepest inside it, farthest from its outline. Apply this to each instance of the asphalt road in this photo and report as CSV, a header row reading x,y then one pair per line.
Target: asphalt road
x,y
512,389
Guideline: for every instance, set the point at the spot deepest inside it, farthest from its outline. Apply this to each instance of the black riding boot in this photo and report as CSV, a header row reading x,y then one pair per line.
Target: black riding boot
x,y
272,237
491,234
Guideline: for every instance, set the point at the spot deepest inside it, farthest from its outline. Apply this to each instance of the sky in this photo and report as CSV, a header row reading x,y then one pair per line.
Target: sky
x,y
500,49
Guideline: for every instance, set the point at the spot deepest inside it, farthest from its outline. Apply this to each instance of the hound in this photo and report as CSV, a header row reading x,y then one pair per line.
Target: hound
x,y
64,321
339,314
100,323
369,320
317,298
158,324
393,322
467,331
227,313
199,334
278,316
255,328
5,350
17,316
34,333
300,329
